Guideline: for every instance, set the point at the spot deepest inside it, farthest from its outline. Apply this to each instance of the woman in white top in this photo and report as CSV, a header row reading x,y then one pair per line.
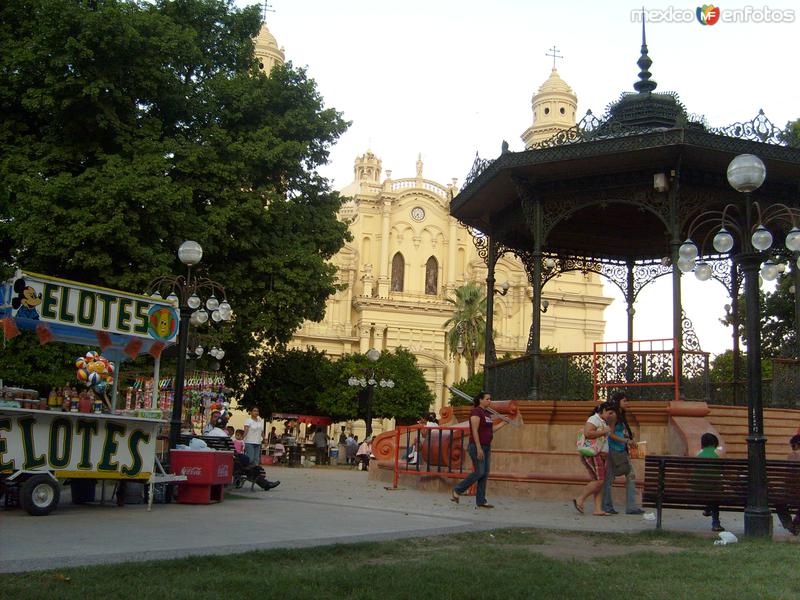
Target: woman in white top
x,y
596,428
253,437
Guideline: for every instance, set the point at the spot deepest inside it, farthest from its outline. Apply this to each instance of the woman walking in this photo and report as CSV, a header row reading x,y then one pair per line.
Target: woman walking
x,y
596,428
619,462
481,428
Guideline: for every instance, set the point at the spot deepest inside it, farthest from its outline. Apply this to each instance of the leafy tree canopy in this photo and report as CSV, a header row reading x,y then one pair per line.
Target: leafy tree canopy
x,y
129,127
406,401
309,382
289,380
470,386
722,367
791,134
778,330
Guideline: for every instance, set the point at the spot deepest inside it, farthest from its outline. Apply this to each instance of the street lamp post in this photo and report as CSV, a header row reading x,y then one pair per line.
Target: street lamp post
x,y
183,291
745,174
369,382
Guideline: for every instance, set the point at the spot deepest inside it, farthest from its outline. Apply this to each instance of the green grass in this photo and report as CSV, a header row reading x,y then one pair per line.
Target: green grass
x,y
503,564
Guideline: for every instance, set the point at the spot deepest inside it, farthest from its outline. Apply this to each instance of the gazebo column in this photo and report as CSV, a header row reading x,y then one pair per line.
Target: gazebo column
x,y
489,353
796,284
675,243
535,272
734,294
629,300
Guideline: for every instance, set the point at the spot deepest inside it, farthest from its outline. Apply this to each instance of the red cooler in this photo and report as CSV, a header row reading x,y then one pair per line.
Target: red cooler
x,y
206,474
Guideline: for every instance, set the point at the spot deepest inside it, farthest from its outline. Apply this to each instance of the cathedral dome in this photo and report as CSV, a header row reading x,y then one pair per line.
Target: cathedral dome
x,y
555,85
267,51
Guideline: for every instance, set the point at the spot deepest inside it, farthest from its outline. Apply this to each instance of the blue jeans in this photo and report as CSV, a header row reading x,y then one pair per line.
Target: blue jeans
x,y
253,452
630,488
480,473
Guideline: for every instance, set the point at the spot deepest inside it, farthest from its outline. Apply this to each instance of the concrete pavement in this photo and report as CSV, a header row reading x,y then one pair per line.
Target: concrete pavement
x,y
312,506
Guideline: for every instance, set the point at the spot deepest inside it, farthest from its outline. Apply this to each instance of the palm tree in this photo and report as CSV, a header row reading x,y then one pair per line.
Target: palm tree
x,y
466,329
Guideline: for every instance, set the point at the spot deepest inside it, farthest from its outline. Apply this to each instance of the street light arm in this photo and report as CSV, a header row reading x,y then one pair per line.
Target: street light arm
x,y
185,285
780,212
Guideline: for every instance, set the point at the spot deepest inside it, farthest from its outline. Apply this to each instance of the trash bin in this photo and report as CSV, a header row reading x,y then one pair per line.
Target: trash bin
x,y
294,456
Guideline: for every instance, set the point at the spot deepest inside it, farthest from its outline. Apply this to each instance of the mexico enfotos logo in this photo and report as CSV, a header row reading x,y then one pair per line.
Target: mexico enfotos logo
x,y
711,14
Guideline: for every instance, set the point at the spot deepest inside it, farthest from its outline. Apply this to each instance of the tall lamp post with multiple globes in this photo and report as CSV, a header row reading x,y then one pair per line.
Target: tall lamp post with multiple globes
x,y
753,253
368,381
185,292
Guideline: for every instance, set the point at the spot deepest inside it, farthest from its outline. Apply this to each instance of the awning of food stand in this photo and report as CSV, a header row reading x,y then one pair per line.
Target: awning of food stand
x,y
309,419
121,323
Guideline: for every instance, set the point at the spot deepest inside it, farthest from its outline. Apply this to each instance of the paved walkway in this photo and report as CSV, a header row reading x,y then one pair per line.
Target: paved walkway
x,y
312,506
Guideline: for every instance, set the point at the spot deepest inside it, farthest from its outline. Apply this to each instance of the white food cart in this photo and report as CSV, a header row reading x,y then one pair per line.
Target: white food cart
x,y
40,447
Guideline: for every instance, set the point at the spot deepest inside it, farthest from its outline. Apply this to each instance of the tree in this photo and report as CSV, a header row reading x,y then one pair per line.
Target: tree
x,y
778,326
791,134
777,320
467,326
406,401
30,364
470,386
289,380
722,367
129,127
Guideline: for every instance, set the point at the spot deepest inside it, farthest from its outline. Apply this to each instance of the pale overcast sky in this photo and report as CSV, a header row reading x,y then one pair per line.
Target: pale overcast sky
x,y
448,78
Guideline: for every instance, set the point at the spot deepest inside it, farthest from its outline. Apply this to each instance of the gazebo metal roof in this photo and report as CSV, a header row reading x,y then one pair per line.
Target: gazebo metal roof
x,y
597,188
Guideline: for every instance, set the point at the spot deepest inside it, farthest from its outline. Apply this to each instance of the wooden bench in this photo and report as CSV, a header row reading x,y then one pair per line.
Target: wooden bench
x,y
694,483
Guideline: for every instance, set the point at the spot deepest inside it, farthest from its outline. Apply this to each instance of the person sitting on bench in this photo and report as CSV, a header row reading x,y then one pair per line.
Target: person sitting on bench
x,y
784,516
708,480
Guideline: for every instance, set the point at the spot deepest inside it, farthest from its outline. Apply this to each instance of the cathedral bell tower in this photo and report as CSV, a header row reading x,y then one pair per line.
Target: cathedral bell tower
x,y
267,52
554,108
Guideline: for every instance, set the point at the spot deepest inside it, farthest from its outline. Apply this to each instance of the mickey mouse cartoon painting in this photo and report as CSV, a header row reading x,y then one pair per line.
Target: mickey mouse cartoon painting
x,y
26,300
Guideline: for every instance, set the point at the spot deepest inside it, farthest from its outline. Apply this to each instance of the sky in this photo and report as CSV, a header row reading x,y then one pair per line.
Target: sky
x,y
447,79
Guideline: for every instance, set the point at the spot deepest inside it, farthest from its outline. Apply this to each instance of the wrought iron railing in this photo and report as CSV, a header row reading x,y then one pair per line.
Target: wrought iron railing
x,y
782,390
570,375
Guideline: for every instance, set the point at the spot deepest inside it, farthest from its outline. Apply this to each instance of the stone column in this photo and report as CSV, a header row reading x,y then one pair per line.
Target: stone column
x,y
452,244
363,335
383,279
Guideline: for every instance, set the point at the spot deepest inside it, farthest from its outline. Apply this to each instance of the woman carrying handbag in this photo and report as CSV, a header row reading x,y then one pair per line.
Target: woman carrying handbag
x,y
593,455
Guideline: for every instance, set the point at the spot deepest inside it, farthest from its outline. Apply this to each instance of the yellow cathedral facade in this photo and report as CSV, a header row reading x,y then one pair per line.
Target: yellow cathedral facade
x,y
408,255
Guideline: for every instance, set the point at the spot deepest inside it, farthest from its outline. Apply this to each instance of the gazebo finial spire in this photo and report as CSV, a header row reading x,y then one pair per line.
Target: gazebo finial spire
x,y
645,84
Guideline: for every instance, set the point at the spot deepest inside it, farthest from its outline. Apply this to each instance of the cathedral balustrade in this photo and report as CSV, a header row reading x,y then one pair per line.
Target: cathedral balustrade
x,y
430,186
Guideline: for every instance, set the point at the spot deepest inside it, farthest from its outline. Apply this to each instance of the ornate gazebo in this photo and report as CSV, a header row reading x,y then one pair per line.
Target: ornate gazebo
x,y
617,196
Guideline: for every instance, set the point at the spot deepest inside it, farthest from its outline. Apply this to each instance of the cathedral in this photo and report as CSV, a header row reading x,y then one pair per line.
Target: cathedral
x,y
408,255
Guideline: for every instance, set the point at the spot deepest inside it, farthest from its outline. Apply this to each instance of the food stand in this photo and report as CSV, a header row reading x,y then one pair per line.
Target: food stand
x,y
43,442
295,446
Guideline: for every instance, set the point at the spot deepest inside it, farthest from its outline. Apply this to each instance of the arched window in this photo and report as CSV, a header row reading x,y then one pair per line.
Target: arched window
x,y
365,250
398,272
432,276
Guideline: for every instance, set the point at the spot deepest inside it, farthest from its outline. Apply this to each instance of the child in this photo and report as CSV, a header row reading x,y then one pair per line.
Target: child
x,y
238,441
709,480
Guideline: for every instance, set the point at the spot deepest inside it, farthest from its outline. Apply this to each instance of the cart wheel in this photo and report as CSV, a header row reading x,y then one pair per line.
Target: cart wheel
x,y
39,495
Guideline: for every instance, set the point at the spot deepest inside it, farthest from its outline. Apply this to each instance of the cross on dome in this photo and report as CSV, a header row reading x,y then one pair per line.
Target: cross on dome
x,y
554,53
